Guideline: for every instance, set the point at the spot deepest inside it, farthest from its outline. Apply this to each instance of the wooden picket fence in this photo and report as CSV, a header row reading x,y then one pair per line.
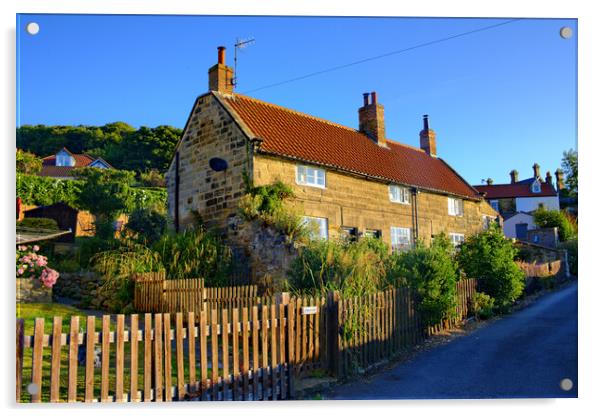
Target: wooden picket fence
x,y
372,328
244,358
154,293
249,353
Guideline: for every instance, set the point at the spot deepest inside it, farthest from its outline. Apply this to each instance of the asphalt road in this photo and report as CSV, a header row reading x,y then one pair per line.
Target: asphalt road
x,y
523,355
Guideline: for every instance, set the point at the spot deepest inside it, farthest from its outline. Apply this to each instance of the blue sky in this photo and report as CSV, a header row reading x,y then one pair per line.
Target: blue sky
x,y
499,99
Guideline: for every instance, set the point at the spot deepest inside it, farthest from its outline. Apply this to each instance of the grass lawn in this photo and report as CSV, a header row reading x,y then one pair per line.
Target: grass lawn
x,y
48,311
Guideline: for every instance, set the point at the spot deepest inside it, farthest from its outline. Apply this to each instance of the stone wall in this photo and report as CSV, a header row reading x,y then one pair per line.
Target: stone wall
x,y
84,288
32,291
210,133
352,201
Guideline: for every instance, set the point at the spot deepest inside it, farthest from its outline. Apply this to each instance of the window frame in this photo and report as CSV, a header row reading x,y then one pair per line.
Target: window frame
x,y
454,241
536,187
373,233
396,247
322,226
495,204
402,192
302,176
451,206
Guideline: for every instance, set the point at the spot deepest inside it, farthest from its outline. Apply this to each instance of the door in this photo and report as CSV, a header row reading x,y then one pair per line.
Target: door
x,y
521,231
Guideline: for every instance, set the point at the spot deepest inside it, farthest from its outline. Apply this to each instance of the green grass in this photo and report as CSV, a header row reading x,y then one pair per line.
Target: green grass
x,y
47,311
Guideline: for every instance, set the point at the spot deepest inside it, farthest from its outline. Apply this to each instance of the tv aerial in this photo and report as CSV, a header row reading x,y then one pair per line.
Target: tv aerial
x,y
240,44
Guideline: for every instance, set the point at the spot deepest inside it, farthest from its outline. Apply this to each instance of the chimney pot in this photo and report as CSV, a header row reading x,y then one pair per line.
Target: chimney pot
x,y
373,94
425,122
366,95
548,178
513,176
428,139
221,55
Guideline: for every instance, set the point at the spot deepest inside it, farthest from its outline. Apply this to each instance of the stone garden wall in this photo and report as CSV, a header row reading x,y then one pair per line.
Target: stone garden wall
x,y
84,288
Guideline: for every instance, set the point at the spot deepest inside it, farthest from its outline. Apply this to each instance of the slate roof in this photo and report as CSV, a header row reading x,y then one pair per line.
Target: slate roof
x,y
291,134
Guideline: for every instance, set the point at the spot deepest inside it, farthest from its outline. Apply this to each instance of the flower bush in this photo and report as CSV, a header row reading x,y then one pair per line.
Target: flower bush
x,y
30,264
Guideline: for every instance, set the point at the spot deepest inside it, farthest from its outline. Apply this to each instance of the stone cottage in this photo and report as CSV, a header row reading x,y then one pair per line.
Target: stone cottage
x,y
349,181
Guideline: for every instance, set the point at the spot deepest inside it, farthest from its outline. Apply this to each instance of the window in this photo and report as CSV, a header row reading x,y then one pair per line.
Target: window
x,y
488,221
373,233
349,233
399,194
455,206
401,238
456,238
63,159
315,177
318,226
495,204
536,187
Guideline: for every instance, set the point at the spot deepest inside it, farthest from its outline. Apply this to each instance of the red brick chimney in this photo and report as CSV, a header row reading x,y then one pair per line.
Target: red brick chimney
x,y
220,75
428,139
372,119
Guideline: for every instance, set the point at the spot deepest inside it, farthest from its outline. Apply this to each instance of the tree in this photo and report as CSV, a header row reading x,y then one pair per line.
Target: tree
x,y
570,168
489,257
28,163
567,227
106,193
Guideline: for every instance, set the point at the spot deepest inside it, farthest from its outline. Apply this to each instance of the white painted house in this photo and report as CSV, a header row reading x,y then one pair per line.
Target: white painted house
x,y
518,199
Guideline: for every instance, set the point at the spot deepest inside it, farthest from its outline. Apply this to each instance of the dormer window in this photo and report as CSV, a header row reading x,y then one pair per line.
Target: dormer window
x,y
64,159
536,187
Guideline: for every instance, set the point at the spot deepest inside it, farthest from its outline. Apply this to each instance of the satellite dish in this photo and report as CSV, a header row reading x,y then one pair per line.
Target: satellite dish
x,y
218,164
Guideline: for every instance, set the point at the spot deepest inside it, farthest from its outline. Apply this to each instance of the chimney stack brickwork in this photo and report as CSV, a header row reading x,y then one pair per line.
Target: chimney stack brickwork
x,y
548,178
220,75
559,179
513,176
428,139
372,119
536,170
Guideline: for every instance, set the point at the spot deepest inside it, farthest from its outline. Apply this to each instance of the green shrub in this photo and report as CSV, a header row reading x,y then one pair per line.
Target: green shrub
x,y
196,253
566,224
148,224
433,273
38,223
354,268
489,257
87,247
67,265
44,191
482,306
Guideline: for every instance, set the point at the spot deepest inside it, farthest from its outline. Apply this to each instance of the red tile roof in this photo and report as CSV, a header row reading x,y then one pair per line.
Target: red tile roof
x,y
296,135
522,189
81,160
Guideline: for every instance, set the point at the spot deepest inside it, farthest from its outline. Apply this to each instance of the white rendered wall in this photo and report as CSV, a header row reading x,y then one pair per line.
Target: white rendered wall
x,y
532,203
510,224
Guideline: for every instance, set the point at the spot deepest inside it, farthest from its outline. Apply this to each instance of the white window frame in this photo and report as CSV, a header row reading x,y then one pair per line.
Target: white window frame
x,y
401,238
455,206
536,187
63,159
322,226
311,176
495,204
456,239
399,194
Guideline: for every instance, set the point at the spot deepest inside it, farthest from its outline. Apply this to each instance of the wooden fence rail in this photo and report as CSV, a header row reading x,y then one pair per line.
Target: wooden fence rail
x,y
231,353
154,293
158,358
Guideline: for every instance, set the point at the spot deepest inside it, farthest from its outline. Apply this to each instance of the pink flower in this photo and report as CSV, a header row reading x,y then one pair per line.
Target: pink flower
x,y
49,277
36,248
22,248
20,271
41,261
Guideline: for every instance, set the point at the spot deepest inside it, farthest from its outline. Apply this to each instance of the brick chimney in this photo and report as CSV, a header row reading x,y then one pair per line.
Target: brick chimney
x,y
559,179
536,170
513,176
428,141
372,119
220,75
548,178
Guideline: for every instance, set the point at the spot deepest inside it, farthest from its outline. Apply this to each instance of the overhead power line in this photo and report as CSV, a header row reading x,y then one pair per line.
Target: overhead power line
x,y
373,58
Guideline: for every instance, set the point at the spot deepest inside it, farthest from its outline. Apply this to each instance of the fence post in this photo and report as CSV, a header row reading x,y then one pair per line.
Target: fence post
x,y
332,333
19,357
